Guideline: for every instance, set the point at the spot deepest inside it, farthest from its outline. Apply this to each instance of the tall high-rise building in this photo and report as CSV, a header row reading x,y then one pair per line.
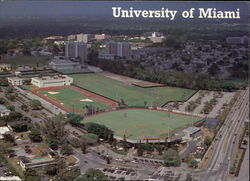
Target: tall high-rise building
x,y
76,50
120,49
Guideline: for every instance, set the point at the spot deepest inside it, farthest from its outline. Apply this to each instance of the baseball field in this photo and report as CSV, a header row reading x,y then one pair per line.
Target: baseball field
x,y
141,123
73,99
132,95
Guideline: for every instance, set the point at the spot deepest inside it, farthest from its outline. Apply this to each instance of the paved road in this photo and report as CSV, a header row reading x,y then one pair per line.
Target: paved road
x,y
227,139
244,169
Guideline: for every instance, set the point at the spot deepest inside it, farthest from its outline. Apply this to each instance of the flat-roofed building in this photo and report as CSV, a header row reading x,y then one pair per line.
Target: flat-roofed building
x,y
4,130
10,178
4,111
15,80
61,63
52,81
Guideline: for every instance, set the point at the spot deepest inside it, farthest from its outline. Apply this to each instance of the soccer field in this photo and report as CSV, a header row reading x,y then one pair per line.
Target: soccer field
x,y
132,95
140,123
73,99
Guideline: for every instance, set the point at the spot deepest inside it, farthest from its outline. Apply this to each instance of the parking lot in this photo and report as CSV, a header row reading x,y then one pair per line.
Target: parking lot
x,y
120,173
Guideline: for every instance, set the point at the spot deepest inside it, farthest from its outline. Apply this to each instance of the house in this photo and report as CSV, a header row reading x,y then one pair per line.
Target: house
x,y
4,130
4,111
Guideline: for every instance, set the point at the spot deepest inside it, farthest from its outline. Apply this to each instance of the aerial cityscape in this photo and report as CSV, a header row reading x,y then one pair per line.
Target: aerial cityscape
x,y
85,98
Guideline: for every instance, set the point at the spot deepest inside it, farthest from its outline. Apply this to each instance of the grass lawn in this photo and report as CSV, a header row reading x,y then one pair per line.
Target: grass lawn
x,y
132,95
26,60
70,98
140,123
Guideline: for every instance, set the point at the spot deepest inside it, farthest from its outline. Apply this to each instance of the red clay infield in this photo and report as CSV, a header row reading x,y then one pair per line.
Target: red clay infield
x,y
85,92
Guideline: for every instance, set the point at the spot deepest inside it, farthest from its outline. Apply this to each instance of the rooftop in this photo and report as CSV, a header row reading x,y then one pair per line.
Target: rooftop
x,y
191,129
3,108
10,178
4,129
55,77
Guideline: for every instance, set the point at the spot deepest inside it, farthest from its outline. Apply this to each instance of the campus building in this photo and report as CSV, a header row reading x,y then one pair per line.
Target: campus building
x,y
4,111
61,63
51,81
5,67
85,38
76,50
15,81
119,49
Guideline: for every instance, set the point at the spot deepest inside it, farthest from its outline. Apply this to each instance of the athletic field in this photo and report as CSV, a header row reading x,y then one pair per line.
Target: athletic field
x,y
132,95
73,99
141,123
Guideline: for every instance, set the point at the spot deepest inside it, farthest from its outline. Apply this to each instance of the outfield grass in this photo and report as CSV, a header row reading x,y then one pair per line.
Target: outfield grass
x,y
70,98
140,123
26,60
132,95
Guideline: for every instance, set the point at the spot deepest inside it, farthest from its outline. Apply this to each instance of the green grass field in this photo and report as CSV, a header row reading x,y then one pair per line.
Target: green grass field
x,y
70,98
140,123
132,95
26,60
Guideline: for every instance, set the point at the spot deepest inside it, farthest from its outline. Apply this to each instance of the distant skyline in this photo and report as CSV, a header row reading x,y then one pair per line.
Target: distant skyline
x,y
103,9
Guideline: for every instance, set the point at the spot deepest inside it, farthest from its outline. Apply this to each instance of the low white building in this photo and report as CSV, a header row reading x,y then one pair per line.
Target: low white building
x,y
4,111
4,130
52,81
10,178
15,80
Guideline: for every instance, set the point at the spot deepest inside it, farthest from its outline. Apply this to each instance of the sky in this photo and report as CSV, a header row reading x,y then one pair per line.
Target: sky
x,y
63,9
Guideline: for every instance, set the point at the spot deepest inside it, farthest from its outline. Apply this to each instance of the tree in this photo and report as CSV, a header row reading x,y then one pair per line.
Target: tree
x,y
213,69
27,82
9,138
207,141
2,100
9,89
67,174
4,82
66,149
192,163
74,119
83,147
24,107
20,127
51,170
53,144
54,130
10,107
91,175
35,104
35,135
31,175
171,158
90,138
75,142
100,130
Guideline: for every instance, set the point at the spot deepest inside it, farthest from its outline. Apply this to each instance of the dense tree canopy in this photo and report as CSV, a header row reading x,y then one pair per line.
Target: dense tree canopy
x,y
101,130
92,175
171,158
